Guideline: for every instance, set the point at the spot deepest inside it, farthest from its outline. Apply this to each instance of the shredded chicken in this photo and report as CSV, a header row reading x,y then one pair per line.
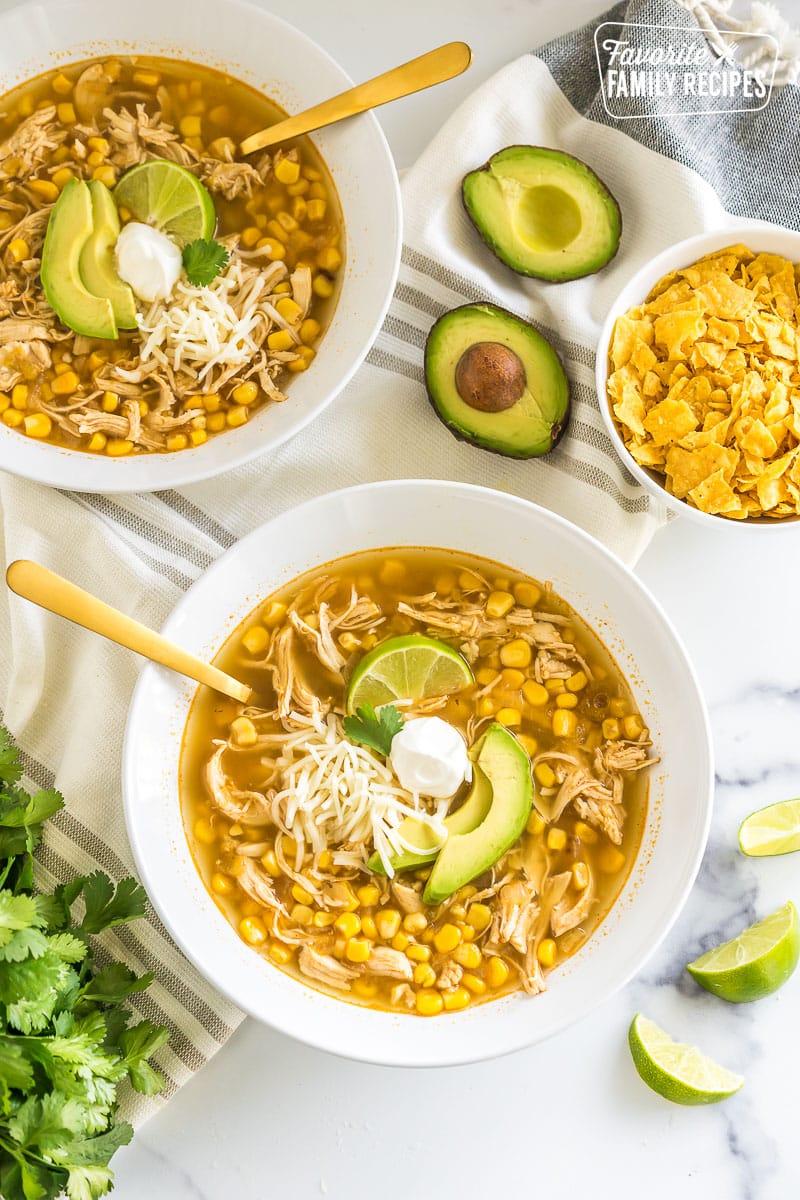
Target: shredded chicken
x,y
254,880
450,976
31,144
514,919
326,969
623,756
407,897
566,915
393,964
244,807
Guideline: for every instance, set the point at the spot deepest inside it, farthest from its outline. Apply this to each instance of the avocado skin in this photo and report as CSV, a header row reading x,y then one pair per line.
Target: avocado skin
x,y
464,435
465,856
489,241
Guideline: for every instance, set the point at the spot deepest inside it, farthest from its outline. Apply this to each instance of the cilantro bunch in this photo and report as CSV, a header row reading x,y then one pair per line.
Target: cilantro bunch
x,y
66,1042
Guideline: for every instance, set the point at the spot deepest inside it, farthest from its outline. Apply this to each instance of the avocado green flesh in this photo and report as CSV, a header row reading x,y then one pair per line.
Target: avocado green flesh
x,y
543,213
96,263
465,856
68,230
467,817
530,427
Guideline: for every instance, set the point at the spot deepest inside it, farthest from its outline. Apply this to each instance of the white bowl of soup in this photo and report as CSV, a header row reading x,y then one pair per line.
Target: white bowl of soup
x,y
149,381
262,832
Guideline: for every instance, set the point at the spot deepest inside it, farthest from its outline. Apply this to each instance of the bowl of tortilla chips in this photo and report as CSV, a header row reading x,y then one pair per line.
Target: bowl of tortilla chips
x,y
698,375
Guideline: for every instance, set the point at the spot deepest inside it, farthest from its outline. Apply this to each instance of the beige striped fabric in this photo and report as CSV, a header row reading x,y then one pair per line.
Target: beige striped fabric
x,y
64,693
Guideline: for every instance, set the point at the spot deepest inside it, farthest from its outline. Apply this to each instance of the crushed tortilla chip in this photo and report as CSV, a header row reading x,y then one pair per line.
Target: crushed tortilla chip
x,y
705,383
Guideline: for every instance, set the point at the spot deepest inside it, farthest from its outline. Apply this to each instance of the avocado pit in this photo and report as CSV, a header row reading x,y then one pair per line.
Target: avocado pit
x,y
490,377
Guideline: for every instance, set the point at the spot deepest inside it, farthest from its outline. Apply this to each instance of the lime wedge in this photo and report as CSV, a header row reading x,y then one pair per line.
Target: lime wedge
x,y
754,964
167,196
412,667
677,1072
771,830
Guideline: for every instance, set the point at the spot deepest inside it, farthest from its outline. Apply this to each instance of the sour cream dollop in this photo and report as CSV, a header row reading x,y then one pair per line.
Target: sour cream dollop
x,y
147,260
429,756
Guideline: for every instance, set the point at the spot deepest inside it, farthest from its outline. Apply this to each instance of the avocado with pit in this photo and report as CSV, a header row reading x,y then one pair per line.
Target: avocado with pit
x,y
68,230
495,381
96,262
463,820
465,856
543,213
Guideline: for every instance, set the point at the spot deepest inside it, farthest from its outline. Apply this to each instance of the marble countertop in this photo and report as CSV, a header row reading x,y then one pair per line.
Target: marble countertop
x,y
570,1118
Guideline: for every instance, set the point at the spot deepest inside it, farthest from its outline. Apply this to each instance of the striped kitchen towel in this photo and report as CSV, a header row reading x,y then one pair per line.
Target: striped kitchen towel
x,y
64,693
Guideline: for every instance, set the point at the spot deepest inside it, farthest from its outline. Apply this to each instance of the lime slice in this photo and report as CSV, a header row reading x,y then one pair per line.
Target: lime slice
x,y
771,830
754,964
412,667
677,1072
167,196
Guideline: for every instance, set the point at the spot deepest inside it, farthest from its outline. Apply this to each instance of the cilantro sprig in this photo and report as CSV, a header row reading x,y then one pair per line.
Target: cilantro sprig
x,y
374,729
66,1037
203,259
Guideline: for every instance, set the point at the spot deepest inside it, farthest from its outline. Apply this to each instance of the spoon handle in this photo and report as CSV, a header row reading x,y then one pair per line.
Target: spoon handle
x,y
434,67
34,582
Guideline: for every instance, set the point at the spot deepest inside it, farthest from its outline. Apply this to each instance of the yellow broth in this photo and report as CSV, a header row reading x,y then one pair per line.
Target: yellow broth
x,y
296,220
559,716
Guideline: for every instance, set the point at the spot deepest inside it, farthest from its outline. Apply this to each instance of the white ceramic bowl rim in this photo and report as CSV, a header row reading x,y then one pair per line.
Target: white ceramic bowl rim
x,y
517,533
277,59
758,235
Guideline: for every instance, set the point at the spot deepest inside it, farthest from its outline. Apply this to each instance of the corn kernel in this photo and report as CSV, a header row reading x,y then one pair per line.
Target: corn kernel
x,y
633,726
535,823
287,170
330,260
66,112
302,914
611,730
429,1003
279,953
100,144
473,983
367,989
400,941
118,447
567,700
19,249
220,114
243,732
535,693
358,950
512,678
556,839
498,604
316,209
555,687
250,236
480,916
221,884
106,175
617,706
190,127
368,895
256,639
610,860
565,723
97,442
5,402
528,743
510,717
322,287
419,954
273,249
415,922
309,330
204,831
289,309
576,682
270,864
216,422
496,972
301,895
580,875
61,85
253,931
62,177
527,594
110,402
544,774
6,221
273,614
236,417
585,833
424,975
38,425
485,675
388,922
485,706
12,417
245,393
281,339
198,436
457,999
177,441
348,924
19,395
468,955
323,920
45,189
95,159
546,952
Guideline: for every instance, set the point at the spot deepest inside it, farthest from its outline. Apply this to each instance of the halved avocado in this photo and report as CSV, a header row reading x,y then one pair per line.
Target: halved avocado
x,y
543,213
465,856
495,381
467,817
68,230
96,262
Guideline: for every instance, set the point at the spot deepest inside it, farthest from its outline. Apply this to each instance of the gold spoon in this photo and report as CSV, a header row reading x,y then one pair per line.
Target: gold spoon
x,y
434,67
34,582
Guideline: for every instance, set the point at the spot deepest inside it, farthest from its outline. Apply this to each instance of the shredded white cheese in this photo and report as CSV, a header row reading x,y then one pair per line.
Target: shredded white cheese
x,y
333,792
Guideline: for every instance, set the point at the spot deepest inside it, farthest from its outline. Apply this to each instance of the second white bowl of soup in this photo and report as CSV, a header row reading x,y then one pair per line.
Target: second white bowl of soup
x,y
222,367
266,835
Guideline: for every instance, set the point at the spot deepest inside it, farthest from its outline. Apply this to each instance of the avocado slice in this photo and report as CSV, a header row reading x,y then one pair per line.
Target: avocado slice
x,y
467,855
96,262
495,381
470,814
68,230
543,213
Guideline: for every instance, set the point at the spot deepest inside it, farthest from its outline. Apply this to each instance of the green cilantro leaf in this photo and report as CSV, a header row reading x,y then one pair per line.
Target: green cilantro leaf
x,y
372,729
106,907
115,983
10,766
203,259
87,1183
137,1044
